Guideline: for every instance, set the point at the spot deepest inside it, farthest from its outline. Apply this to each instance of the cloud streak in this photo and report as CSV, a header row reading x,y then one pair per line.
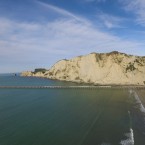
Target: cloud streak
x,y
27,45
137,7
43,44
111,21
61,11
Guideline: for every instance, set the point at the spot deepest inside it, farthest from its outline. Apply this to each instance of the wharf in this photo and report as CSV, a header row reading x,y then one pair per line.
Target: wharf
x,y
71,87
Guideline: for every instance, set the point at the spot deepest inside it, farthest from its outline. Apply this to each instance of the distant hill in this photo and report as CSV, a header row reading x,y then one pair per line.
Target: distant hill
x,y
112,68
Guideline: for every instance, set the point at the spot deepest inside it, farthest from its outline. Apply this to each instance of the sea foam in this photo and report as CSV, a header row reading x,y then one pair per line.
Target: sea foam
x,y
129,140
142,109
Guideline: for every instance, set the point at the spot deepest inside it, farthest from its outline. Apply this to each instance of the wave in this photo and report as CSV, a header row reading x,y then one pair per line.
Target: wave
x,y
129,140
136,112
137,100
142,109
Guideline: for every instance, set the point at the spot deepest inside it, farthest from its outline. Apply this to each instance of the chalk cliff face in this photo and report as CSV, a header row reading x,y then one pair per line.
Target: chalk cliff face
x,y
98,68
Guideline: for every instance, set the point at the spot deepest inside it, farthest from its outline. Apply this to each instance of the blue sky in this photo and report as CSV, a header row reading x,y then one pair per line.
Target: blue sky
x,y
38,33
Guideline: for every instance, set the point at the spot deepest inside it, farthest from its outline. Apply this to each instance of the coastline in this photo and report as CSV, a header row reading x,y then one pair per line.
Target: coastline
x,y
85,83
113,68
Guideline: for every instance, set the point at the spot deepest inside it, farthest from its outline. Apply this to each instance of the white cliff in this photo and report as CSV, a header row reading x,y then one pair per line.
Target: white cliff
x,y
98,68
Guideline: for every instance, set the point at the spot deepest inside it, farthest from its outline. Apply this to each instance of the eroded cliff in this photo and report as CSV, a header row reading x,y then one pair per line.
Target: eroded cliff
x,y
98,68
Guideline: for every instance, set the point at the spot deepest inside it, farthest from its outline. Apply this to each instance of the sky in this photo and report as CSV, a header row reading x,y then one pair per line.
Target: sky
x,y
38,33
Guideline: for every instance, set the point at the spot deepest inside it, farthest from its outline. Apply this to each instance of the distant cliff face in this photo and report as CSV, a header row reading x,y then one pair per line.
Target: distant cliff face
x,y
98,68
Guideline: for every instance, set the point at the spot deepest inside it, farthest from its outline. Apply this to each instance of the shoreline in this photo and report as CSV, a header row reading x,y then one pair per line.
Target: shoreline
x,y
82,83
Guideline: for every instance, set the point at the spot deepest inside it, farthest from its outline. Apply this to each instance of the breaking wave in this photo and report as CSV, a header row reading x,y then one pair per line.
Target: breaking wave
x,y
129,140
142,109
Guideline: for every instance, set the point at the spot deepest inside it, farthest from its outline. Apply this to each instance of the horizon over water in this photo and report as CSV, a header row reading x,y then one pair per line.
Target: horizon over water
x,y
69,116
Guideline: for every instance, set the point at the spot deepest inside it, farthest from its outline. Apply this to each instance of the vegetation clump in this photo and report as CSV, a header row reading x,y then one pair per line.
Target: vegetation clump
x,y
43,70
130,67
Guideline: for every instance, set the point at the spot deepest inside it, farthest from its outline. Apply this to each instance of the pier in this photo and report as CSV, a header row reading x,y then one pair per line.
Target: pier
x,y
71,87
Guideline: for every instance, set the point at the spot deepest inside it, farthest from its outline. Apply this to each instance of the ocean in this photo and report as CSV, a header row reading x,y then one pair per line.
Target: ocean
x,y
69,116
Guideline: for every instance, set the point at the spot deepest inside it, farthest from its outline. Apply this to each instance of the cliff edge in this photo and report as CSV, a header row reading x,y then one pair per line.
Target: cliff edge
x,y
112,68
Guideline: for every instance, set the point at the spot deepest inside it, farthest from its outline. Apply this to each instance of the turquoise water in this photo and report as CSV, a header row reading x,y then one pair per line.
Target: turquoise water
x,y
69,116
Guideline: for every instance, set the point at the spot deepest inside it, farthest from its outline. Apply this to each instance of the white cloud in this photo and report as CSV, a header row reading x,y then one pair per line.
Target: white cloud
x,y
137,7
110,21
62,37
26,45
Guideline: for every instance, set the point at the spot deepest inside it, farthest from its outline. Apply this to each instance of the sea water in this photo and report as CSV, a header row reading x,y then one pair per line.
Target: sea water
x,y
69,116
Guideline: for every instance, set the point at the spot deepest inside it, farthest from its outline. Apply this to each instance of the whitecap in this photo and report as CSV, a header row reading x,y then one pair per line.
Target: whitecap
x,y
129,140
142,109
130,91
138,101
